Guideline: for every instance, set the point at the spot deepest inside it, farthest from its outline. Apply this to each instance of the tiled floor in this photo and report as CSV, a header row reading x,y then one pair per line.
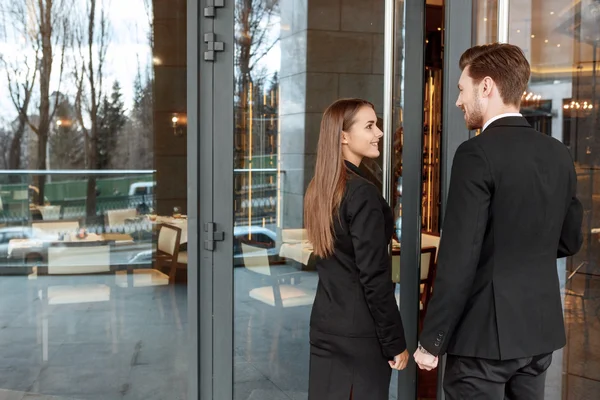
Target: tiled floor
x,y
271,345
130,343
99,338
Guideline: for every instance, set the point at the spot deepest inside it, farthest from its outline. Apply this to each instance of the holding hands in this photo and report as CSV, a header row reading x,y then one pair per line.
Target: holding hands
x,y
400,361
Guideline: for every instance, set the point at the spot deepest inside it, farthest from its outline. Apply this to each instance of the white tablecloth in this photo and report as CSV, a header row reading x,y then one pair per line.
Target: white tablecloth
x,y
20,247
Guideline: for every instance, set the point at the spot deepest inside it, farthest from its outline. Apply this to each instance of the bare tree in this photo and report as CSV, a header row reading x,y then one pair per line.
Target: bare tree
x,y
51,19
21,74
253,20
253,41
148,7
92,37
4,148
43,27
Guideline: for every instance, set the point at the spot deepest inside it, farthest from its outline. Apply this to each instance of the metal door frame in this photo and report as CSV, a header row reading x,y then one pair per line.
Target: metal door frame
x,y
193,176
211,127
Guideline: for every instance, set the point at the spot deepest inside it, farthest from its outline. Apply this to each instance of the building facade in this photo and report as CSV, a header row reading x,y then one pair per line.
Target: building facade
x,y
155,156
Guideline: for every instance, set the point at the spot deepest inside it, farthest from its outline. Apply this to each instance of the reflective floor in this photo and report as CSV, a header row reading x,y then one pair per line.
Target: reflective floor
x,y
104,337
272,349
93,337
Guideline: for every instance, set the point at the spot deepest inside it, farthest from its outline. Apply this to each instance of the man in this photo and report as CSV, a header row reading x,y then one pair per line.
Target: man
x,y
496,307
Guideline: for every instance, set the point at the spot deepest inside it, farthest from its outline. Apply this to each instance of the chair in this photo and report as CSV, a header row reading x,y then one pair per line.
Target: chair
x,y
50,213
117,218
256,260
167,254
294,235
428,265
428,270
429,240
182,260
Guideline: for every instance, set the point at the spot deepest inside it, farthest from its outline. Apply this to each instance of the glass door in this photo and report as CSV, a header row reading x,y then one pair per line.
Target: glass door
x,y
291,60
270,68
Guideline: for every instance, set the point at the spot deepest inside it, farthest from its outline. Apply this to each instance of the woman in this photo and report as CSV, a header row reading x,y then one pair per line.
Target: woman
x,y
356,332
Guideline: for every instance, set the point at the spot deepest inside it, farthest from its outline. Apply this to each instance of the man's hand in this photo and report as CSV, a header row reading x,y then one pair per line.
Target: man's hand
x,y
425,361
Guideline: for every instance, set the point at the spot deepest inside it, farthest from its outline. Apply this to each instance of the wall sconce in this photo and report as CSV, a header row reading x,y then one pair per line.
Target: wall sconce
x,y
577,106
179,124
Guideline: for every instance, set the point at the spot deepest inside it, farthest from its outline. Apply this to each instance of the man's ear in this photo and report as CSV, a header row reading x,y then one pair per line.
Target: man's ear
x,y
487,85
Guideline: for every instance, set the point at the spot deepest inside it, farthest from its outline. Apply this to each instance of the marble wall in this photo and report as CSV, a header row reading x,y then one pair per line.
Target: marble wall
x,y
329,49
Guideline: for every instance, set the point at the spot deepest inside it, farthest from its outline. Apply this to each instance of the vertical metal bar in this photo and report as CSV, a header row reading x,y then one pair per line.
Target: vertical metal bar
x,y
388,97
412,161
205,175
457,39
503,20
223,145
194,27
594,129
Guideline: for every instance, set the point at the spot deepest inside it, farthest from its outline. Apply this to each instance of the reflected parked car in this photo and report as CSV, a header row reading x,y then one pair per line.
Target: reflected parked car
x,y
257,236
9,233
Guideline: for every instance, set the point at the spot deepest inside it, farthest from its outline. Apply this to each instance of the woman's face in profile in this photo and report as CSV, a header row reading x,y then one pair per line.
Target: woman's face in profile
x,y
363,137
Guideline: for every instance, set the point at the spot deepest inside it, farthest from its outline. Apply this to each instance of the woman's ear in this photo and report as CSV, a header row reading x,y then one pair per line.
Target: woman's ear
x,y
344,137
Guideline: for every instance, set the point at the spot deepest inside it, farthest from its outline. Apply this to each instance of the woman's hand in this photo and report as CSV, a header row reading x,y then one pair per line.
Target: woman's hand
x,y
400,361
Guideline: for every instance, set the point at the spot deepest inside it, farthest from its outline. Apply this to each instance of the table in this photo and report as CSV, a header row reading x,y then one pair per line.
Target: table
x,y
20,248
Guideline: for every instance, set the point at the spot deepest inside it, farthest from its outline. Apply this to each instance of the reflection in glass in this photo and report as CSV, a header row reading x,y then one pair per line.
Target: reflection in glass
x,y
291,62
561,40
94,304
485,21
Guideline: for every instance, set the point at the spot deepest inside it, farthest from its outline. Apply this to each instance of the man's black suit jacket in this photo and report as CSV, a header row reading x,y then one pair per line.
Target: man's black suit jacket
x,y
511,212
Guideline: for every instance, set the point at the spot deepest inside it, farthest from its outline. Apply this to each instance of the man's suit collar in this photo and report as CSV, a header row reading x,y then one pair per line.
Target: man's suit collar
x,y
507,122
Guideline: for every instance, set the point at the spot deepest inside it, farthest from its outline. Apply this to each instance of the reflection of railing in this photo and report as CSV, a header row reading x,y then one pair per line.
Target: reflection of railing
x,y
255,195
68,189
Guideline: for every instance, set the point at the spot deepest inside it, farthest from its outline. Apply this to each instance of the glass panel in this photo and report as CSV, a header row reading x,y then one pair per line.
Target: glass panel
x,y
485,21
397,147
432,185
93,159
561,39
293,59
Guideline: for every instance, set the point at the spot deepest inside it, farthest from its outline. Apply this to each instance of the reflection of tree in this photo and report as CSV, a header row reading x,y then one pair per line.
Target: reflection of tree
x,y
21,74
66,142
253,21
5,139
141,125
111,121
42,26
92,42
52,31
256,105
253,41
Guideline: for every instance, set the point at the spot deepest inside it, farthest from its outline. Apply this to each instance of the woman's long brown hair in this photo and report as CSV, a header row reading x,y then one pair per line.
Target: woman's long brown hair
x,y
325,191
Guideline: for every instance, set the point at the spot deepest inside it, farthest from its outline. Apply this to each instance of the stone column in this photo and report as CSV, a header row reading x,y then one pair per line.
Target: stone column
x,y
170,70
329,49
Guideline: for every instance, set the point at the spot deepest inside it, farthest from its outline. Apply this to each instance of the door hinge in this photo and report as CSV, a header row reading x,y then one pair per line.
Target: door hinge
x,y
210,228
210,11
212,46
